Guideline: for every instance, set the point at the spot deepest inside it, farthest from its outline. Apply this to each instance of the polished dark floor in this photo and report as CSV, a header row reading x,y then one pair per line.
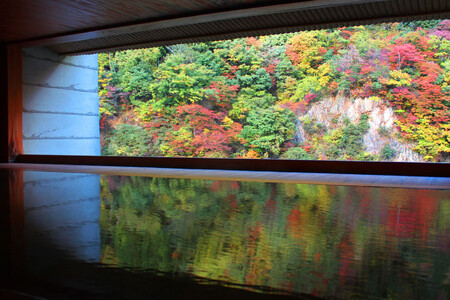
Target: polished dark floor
x,y
91,236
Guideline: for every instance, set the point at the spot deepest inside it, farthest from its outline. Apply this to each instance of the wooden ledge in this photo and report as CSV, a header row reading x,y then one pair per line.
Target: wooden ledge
x,y
258,176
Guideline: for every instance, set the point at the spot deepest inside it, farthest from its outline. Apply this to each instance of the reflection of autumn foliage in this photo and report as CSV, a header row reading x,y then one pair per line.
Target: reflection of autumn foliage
x,y
329,241
295,222
257,271
412,218
347,255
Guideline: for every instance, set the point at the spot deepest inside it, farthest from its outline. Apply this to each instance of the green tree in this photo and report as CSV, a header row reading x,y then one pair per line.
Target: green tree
x,y
267,129
387,153
129,140
296,153
176,83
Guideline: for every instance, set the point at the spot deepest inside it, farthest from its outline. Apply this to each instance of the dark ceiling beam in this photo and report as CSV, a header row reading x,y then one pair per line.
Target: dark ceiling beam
x,y
119,29
204,38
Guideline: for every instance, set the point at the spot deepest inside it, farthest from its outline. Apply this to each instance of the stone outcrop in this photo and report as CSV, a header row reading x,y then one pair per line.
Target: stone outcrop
x,y
331,112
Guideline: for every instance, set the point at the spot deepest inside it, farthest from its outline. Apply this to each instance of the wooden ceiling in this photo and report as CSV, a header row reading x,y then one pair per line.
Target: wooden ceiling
x,y
90,26
34,19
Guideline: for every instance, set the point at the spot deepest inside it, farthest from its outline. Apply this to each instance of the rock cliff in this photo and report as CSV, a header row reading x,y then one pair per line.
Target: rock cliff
x,y
332,112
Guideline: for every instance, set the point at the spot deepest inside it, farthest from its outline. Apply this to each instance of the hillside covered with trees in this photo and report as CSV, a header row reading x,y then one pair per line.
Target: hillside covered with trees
x,y
268,96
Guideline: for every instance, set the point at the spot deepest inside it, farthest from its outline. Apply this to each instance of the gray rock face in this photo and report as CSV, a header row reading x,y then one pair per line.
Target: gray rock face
x,y
332,112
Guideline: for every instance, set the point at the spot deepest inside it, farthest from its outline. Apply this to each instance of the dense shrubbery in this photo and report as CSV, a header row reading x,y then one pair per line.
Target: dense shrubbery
x,y
387,152
129,140
245,97
296,153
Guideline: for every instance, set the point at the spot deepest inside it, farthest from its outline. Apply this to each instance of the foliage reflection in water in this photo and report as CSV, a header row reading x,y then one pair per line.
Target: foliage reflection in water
x,y
327,241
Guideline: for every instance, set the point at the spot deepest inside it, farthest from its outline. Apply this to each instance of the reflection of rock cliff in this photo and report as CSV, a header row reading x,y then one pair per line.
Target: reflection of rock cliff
x,y
331,113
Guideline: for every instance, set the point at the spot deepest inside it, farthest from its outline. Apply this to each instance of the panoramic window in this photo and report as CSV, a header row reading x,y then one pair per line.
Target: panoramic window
x,y
372,93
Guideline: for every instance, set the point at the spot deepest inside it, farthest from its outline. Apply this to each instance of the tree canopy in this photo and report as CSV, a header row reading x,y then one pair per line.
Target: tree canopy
x,y
248,97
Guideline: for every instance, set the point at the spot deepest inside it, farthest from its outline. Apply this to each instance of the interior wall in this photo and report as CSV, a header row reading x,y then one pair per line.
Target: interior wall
x,y
60,103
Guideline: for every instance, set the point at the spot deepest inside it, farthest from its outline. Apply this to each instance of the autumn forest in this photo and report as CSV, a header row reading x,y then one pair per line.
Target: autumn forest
x,y
375,92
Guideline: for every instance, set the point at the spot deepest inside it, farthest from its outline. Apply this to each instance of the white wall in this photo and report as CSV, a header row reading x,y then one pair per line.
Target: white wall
x,y
61,116
60,103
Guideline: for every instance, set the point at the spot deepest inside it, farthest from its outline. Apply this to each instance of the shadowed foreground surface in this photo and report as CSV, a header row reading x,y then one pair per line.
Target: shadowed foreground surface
x,y
90,236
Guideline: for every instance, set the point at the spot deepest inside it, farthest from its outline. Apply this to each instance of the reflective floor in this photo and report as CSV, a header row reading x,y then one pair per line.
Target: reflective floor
x,y
90,236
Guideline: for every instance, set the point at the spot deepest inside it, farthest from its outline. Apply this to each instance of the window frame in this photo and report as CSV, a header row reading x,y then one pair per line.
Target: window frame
x,y
11,143
242,164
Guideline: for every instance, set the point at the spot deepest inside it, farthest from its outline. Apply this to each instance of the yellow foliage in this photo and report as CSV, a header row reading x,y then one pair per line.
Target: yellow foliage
x,y
431,139
374,98
251,154
323,72
289,92
227,122
399,78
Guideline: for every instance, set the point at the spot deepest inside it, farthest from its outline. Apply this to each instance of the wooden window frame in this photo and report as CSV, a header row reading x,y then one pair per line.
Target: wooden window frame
x,y
11,144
